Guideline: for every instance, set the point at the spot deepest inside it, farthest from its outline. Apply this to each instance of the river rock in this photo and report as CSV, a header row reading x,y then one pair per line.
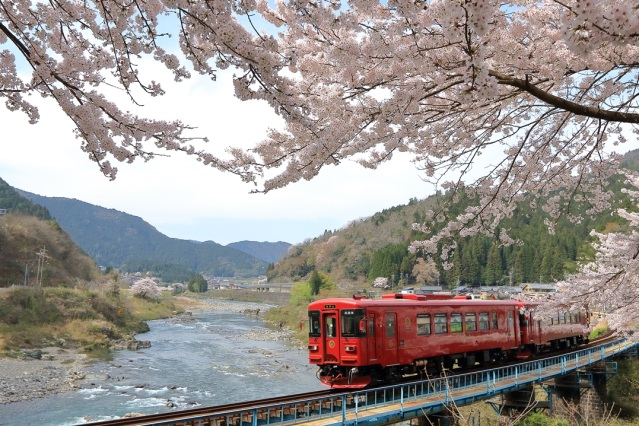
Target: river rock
x,y
132,345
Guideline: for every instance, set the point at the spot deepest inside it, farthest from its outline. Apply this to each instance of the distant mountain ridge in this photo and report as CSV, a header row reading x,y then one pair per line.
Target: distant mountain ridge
x,y
115,238
266,251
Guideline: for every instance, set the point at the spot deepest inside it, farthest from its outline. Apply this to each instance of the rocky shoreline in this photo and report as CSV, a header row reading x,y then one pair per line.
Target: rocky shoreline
x,y
54,370
51,370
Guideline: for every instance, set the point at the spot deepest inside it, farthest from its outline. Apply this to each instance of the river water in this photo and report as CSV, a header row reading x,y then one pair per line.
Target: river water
x,y
213,359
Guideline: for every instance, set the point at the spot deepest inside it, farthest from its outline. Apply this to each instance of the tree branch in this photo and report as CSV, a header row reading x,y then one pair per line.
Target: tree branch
x,y
15,40
573,107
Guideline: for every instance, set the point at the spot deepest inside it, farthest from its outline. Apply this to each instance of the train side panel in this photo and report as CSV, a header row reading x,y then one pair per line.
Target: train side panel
x,y
444,333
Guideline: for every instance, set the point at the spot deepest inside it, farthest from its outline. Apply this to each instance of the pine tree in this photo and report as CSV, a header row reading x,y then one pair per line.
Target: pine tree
x,y
315,282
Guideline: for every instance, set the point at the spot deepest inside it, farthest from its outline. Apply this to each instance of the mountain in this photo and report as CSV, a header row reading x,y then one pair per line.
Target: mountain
x,y
33,247
115,238
13,202
266,251
377,246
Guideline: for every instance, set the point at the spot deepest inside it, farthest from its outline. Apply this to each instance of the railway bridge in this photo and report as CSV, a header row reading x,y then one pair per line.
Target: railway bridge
x,y
391,404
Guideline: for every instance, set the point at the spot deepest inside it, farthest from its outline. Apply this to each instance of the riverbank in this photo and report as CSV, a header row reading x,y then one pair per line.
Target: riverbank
x,y
47,371
41,372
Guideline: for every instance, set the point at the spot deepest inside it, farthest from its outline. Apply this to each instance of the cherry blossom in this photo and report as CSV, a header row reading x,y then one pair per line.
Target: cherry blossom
x,y
505,100
146,288
609,283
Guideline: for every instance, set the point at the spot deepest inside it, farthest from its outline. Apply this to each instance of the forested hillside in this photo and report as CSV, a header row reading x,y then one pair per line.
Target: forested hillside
x,y
13,202
34,250
121,240
378,247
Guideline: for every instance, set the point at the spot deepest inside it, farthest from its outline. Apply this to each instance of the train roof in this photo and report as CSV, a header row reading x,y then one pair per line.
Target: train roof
x,y
407,300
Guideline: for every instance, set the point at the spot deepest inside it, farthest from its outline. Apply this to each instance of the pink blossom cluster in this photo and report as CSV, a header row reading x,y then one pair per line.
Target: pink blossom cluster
x,y
146,288
609,283
380,282
548,82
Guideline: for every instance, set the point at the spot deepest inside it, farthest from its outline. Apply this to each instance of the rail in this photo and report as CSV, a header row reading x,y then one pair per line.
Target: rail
x,y
392,403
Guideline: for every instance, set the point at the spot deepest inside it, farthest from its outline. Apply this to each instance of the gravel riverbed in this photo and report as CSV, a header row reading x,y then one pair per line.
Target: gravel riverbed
x,y
52,370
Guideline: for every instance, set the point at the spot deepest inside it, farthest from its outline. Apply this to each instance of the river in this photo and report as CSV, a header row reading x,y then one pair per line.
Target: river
x,y
216,358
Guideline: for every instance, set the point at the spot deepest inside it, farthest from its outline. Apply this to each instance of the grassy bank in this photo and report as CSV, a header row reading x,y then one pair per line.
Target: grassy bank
x,y
78,318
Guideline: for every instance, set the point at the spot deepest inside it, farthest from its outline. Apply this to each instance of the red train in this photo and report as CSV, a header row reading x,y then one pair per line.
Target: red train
x,y
358,341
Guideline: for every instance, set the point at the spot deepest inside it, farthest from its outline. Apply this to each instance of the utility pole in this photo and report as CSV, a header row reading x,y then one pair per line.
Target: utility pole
x,y
42,255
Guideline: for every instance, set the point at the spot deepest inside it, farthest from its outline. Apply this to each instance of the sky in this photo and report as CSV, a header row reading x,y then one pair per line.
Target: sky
x,y
186,200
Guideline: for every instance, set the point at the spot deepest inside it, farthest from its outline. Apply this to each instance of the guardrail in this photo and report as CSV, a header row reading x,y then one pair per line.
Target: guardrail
x,y
410,400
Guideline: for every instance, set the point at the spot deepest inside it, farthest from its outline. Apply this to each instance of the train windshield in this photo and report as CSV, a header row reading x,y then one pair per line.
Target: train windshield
x,y
353,324
314,329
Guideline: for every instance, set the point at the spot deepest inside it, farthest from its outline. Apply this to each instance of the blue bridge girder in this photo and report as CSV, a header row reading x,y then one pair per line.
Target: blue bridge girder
x,y
411,400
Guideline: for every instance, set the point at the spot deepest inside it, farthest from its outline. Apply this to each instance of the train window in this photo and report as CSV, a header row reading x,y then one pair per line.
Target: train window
x,y
330,327
314,324
511,320
423,324
353,324
456,323
441,324
390,325
483,321
495,323
371,326
471,322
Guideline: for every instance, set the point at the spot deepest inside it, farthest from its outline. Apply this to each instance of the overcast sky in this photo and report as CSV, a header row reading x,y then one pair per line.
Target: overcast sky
x,y
184,199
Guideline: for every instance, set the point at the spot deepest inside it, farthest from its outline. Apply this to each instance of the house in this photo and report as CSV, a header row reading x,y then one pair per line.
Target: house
x,y
537,288
430,289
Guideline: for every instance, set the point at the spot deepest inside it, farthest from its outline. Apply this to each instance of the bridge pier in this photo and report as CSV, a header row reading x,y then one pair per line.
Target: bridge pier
x,y
580,395
509,406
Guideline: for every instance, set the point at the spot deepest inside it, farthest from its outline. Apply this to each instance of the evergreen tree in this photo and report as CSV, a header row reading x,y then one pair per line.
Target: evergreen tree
x,y
198,284
315,282
494,268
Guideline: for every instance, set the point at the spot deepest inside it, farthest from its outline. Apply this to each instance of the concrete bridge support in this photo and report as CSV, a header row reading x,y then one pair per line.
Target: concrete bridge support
x,y
510,406
581,395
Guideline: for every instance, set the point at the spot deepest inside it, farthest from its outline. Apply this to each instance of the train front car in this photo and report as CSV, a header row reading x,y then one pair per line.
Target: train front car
x,y
338,343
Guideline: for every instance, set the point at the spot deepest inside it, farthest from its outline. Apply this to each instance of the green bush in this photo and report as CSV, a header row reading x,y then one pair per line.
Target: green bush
x,y
597,332
540,419
623,388
27,306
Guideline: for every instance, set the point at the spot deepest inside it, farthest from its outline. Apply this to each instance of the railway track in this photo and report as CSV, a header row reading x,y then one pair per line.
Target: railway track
x,y
290,405
218,414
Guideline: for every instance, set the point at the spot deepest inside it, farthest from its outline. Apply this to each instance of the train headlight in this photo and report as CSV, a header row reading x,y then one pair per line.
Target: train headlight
x,y
312,347
349,348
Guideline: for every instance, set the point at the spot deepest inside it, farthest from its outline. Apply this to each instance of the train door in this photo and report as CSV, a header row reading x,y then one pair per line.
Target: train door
x,y
390,338
331,337
372,341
